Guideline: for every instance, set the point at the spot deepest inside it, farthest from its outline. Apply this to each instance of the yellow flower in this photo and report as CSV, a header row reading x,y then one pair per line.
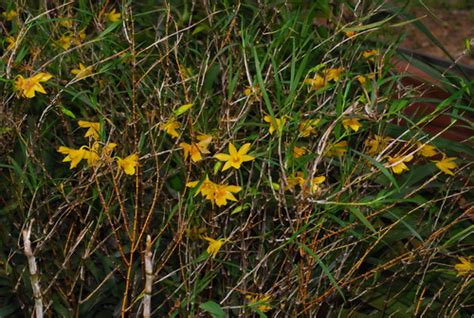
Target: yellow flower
x,y
316,182
298,179
92,156
107,151
316,83
398,163
253,92
170,127
249,90
280,122
191,150
350,34
222,193
337,149
464,268
65,41
27,87
214,245
330,74
370,54
94,159
446,164
113,16
128,164
216,193
234,158
307,127
352,123
196,150
11,42
363,78
79,37
9,15
294,180
82,71
298,151
260,302
426,150
376,144
94,128
73,155
206,189
333,74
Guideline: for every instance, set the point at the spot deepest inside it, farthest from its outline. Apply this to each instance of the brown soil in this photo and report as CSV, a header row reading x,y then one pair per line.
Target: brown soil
x,y
452,27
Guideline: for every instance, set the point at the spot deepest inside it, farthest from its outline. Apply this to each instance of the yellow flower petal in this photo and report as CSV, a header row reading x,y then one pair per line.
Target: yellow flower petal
x,y
222,156
214,245
397,164
352,123
128,164
235,157
113,16
446,165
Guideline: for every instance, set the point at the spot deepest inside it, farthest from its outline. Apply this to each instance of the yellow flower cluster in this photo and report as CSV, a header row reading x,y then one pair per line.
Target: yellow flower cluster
x,y
98,153
398,163
321,80
70,38
299,179
338,149
216,193
308,127
9,15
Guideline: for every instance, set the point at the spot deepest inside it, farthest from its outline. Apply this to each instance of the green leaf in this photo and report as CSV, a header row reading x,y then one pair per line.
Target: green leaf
x,y
369,26
67,112
182,109
109,29
458,237
240,208
361,218
214,309
211,78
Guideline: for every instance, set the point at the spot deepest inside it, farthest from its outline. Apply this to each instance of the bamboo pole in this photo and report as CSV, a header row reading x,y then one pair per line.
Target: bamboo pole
x,y
148,278
34,277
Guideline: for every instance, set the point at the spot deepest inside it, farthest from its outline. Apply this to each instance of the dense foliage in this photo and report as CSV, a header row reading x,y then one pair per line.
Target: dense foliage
x,y
242,158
